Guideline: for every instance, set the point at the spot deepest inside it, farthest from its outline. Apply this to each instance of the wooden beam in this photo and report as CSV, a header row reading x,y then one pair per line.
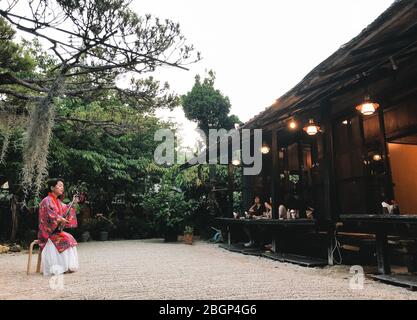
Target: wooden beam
x,y
390,43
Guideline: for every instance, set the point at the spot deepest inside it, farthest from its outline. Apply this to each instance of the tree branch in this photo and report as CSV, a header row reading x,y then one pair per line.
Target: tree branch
x,y
19,95
108,45
7,78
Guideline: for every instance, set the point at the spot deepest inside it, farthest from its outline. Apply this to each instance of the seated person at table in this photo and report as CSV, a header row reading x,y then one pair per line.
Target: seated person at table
x,y
284,208
256,211
310,213
390,207
282,212
290,208
268,209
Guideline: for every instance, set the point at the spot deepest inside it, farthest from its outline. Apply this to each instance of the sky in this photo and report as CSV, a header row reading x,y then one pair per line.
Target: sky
x,y
258,49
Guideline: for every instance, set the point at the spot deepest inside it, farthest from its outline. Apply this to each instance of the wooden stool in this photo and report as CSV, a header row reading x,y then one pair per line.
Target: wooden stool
x,y
38,266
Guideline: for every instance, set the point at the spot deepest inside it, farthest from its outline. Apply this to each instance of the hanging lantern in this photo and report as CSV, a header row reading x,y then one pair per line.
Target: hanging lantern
x,y
311,128
368,107
377,157
292,124
265,149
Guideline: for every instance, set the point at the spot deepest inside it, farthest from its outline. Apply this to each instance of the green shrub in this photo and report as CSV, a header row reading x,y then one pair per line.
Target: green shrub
x,y
133,227
169,208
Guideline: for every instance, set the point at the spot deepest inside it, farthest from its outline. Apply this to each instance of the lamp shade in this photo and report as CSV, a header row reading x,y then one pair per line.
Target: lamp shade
x,y
367,107
311,128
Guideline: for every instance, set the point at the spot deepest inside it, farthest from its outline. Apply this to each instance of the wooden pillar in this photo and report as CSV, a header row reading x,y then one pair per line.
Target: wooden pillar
x,y
327,167
274,173
389,189
366,171
330,256
329,185
230,189
247,184
382,252
301,182
330,245
264,173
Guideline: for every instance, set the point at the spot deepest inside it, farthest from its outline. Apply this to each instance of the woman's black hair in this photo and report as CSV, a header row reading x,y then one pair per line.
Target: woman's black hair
x,y
53,182
258,196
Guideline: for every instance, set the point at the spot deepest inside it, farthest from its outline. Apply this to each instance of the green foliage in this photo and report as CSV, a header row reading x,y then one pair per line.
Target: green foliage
x,y
169,207
103,161
13,57
188,230
208,106
237,202
134,227
194,183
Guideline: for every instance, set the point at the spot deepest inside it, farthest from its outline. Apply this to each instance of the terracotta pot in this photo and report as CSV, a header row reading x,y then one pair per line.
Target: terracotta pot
x,y
188,238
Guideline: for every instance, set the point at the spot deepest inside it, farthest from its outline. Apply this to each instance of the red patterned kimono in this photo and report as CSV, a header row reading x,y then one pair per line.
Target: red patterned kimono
x,y
50,210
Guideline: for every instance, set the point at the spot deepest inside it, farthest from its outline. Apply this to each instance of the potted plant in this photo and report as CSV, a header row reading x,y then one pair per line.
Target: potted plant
x,y
188,235
169,208
84,230
104,225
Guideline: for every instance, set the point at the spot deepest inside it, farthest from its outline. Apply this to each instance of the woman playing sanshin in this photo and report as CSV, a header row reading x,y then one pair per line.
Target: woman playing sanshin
x,y
59,252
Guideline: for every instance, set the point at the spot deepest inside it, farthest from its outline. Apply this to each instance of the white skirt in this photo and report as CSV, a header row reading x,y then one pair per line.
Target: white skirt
x,y
54,263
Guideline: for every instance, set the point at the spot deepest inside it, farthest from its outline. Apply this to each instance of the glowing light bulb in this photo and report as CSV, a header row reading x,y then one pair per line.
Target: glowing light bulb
x,y
265,150
292,125
377,157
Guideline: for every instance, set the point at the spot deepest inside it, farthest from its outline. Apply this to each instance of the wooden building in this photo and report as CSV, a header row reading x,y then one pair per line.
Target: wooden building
x,y
355,160
345,139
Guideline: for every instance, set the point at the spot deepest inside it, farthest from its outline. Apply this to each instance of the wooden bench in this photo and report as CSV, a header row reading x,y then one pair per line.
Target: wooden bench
x,y
409,249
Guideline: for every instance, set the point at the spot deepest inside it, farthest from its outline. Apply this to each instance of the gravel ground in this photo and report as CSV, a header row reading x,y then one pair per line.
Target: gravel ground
x,y
151,269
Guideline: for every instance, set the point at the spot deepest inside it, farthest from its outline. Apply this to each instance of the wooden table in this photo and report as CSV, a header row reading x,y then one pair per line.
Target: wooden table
x,y
269,222
382,226
273,223
299,225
